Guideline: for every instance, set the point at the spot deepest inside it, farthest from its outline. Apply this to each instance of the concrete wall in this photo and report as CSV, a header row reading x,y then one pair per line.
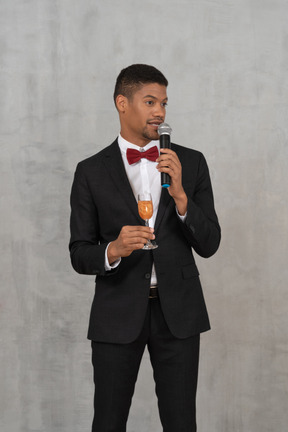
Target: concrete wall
x,y
227,63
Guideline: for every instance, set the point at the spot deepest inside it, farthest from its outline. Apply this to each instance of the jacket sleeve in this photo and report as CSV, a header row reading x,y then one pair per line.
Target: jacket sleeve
x,y
201,227
87,252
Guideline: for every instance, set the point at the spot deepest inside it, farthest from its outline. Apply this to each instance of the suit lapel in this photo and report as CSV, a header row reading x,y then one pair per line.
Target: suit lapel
x,y
114,164
165,202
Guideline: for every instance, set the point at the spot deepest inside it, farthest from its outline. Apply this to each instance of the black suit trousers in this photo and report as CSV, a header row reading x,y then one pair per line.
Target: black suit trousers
x,y
175,368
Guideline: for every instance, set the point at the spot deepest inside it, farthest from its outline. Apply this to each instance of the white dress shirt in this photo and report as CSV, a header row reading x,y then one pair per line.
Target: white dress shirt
x,y
143,177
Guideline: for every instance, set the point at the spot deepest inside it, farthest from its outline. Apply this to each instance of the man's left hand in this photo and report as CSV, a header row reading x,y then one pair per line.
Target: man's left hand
x,y
169,163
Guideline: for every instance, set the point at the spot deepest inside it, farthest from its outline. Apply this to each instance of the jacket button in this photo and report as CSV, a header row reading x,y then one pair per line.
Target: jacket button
x,y
147,276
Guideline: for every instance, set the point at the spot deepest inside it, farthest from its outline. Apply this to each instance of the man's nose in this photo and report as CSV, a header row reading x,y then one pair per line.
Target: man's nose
x,y
159,111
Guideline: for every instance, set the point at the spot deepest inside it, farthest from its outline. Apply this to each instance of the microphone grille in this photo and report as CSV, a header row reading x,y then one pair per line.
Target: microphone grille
x,y
164,129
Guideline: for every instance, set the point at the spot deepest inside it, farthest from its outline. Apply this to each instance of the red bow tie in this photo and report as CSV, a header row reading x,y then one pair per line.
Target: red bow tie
x,y
134,156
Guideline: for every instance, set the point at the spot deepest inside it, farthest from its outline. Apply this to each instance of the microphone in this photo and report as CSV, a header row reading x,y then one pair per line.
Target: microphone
x,y
164,130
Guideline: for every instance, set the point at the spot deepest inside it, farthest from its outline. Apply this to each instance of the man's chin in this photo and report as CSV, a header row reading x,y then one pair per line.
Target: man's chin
x,y
151,136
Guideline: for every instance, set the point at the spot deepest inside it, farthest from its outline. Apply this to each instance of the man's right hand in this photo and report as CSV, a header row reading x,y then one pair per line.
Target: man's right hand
x,y
130,238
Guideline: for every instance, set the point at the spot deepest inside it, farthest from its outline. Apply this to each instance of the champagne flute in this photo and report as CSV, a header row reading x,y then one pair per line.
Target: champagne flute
x,y
145,209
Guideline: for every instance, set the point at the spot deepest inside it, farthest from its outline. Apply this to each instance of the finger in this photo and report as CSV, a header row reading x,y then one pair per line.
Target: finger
x,y
169,161
167,150
172,166
169,171
165,155
137,238
141,238
137,228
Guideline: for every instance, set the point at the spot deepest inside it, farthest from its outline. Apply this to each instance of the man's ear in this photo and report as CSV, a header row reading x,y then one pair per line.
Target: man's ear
x,y
121,103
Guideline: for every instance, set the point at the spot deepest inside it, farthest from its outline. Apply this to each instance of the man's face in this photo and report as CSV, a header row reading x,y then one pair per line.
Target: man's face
x,y
143,114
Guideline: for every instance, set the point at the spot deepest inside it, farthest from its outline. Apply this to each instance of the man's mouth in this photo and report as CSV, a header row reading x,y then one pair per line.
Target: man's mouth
x,y
155,123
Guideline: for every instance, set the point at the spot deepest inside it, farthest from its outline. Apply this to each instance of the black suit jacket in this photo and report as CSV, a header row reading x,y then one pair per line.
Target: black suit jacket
x,y
102,202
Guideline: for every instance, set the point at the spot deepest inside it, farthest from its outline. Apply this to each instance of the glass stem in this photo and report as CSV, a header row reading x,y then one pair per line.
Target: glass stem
x,y
147,225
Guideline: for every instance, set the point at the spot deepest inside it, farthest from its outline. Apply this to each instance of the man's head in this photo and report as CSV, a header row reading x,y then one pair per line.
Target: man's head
x,y
140,98
134,77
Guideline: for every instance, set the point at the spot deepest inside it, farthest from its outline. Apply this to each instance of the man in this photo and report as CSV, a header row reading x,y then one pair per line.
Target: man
x,y
142,297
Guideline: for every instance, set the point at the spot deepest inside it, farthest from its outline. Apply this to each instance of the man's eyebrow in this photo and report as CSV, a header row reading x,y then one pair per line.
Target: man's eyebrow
x,y
154,97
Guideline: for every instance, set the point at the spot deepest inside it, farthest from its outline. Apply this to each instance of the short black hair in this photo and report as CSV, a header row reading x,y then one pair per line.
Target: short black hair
x,y
135,76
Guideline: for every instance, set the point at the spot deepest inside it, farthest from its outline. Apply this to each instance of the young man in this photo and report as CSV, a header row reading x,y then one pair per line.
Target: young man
x,y
143,297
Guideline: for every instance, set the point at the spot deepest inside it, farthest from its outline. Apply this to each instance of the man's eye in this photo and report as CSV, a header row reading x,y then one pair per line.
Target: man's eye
x,y
149,102
165,104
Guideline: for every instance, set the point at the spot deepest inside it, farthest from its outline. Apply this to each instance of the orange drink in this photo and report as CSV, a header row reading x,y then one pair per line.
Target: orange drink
x,y
145,209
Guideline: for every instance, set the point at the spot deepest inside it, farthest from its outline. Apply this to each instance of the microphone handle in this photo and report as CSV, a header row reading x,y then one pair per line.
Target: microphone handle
x,y
165,143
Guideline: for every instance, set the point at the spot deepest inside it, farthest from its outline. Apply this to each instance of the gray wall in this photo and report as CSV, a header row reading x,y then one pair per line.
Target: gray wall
x,y
227,63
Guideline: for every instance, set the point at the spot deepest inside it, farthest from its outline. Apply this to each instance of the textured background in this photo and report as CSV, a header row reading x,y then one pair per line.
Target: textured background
x,y
227,63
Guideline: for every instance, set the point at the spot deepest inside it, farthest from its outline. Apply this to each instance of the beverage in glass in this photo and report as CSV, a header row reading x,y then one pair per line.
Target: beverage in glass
x,y
145,209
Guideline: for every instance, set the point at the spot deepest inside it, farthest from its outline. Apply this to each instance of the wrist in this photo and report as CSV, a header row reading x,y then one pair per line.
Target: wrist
x,y
112,253
181,203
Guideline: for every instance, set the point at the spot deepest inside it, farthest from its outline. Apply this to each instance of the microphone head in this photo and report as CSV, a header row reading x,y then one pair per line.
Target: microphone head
x,y
164,129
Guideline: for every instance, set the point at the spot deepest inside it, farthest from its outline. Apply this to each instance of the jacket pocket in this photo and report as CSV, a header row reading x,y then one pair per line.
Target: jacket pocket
x,y
190,271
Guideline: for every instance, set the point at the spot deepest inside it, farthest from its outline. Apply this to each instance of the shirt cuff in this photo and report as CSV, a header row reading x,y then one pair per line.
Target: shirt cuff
x,y
183,218
108,266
